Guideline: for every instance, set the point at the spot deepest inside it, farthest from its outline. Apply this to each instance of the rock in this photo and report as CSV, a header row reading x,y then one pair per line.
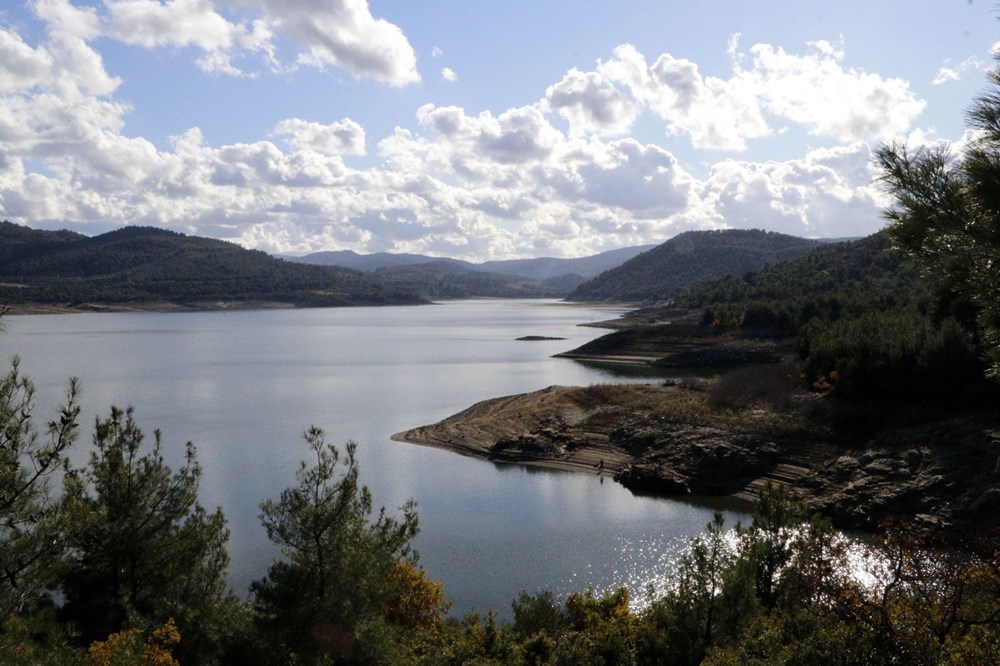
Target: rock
x,y
988,502
945,471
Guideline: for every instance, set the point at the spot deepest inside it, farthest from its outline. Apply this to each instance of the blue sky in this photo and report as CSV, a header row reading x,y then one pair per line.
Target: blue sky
x,y
472,129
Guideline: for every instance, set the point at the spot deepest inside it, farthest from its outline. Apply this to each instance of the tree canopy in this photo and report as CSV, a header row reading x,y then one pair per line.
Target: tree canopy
x,y
946,214
29,513
142,549
347,579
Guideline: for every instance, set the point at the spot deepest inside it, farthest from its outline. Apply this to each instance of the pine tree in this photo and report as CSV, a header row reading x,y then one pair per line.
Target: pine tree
x,y
29,516
333,592
143,549
946,214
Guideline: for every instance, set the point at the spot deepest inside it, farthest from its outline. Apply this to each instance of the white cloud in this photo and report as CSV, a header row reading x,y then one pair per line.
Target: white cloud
x,y
471,145
151,23
187,23
818,93
646,181
448,74
321,33
64,18
829,192
948,72
74,63
341,138
344,34
591,103
23,66
714,113
474,185
814,91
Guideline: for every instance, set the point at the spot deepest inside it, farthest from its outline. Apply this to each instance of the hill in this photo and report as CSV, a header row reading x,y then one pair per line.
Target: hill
x,y
449,279
843,376
830,281
660,273
368,262
543,268
144,264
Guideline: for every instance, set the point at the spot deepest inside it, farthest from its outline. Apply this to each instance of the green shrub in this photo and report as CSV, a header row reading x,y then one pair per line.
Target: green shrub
x,y
894,353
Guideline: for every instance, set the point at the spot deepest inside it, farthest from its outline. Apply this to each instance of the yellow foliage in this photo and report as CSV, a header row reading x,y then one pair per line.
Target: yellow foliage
x,y
132,647
416,601
826,383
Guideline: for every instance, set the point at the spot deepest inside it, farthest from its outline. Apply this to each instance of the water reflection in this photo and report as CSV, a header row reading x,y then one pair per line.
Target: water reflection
x,y
244,385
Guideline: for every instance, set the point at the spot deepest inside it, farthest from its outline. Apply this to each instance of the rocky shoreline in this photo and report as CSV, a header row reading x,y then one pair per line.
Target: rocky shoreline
x,y
662,440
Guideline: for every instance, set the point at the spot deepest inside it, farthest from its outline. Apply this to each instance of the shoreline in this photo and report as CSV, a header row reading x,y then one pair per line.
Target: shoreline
x,y
192,306
582,430
152,306
225,305
669,441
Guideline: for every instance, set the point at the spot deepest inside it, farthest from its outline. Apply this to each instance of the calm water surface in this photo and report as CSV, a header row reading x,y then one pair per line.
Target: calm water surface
x,y
244,385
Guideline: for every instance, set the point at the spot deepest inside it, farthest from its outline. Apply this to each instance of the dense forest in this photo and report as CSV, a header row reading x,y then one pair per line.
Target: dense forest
x,y
444,279
865,322
658,274
143,264
437,278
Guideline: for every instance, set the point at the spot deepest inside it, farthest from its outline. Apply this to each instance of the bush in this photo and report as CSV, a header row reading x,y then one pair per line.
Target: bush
x,y
766,385
895,353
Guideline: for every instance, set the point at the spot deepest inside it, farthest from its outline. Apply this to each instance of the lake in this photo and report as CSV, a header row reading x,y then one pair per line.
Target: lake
x,y
243,385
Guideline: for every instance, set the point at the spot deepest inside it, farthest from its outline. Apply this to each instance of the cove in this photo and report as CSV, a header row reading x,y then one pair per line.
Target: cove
x,y
243,385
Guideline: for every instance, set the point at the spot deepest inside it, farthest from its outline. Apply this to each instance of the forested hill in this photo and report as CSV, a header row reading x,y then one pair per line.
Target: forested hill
x,y
542,268
450,279
694,256
861,270
144,264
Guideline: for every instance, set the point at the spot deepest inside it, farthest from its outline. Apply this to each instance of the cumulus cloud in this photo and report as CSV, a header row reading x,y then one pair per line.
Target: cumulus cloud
x,y
344,34
64,18
188,23
150,23
829,192
448,74
23,66
336,33
714,113
449,189
591,103
476,185
345,137
644,180
818,93
815,91
517,136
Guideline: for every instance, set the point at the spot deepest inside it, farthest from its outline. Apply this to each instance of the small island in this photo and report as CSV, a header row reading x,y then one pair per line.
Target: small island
x,y
537,338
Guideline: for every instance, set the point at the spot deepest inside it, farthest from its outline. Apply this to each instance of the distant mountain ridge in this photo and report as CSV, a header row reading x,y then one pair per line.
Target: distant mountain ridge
x,y
451,279
688,258
144,264
542,268
367,262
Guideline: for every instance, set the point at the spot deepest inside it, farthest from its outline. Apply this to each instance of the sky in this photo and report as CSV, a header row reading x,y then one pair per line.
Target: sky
x,y
472,129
